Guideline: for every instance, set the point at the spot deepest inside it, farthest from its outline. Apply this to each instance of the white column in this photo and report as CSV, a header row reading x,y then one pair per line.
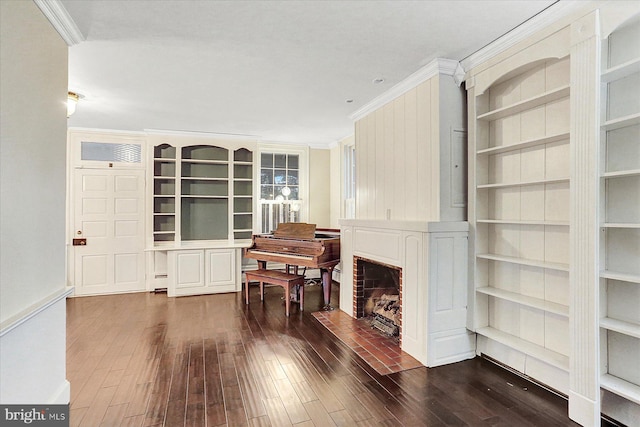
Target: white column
x,y
584,388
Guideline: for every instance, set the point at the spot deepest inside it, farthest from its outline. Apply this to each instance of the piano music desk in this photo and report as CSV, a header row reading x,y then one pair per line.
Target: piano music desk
x,y
279,278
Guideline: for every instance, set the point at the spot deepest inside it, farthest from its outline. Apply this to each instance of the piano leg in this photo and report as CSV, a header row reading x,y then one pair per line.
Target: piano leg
x,y
326,287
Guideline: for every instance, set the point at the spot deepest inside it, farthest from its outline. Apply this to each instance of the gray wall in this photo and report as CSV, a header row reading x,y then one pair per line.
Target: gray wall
x,y
33,126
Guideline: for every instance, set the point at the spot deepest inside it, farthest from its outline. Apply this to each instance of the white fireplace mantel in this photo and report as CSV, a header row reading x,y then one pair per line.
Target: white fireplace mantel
x,y
419,226
433,257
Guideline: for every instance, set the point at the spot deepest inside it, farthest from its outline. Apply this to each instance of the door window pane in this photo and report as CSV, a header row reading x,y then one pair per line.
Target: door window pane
x,y
108,152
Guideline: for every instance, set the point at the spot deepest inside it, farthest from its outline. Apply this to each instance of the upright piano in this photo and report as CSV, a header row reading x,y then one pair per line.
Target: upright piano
x,y
299,244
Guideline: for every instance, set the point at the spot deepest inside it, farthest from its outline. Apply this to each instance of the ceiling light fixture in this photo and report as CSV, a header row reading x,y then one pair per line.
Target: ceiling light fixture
x,y
72,101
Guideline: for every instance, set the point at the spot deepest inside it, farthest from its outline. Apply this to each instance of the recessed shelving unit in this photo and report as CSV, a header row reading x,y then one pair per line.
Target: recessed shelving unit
x,y
201,192
564,136
523,183
527,104
621,122
521,211
164,193
522,261
202,209
614,275
620,213
242,194
521,222
537,303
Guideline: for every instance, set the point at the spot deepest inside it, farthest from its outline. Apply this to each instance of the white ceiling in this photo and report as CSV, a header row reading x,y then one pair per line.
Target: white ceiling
x,y
276,70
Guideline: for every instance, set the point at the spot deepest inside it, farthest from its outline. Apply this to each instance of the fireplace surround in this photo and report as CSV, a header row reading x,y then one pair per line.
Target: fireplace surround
x,y
431,261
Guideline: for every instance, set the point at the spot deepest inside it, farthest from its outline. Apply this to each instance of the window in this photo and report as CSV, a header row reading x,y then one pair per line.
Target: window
x,y
281,187
279,176
349,181
110,152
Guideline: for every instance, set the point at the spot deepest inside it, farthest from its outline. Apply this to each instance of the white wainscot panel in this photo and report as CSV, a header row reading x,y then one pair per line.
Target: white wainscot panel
x,y
346,279
414,299
189,269
203,271
450,346
221,267
501,353
383,246
30,375
548,375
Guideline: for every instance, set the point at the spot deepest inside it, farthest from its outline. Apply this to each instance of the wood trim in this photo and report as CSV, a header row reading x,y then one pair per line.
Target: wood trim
x,y
32,311
584,389
58,16
448,67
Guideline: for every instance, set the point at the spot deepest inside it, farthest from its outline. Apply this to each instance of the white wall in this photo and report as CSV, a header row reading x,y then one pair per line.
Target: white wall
x,y
337,180
403,154
33,73
319,187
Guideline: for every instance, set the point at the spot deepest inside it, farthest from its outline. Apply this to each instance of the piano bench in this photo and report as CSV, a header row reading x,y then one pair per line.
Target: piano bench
x,y
279,278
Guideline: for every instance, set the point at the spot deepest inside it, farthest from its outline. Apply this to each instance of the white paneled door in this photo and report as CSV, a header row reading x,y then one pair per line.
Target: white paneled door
x,y
108,230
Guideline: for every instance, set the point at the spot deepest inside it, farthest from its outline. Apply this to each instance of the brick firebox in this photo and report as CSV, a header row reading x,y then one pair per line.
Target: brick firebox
x,y
371,278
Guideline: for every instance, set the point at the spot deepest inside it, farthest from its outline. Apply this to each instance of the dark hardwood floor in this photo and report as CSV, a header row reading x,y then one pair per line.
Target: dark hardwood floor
x,y
148,360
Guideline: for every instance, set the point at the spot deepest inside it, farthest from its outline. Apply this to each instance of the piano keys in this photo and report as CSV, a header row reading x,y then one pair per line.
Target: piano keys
x,y
299,244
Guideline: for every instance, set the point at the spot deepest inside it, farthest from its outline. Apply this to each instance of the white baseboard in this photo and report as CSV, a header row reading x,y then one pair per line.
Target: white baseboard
x,y
583,410
63,395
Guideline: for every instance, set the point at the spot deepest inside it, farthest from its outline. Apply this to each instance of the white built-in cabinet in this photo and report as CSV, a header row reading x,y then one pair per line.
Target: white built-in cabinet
x,y
201,207
521,216
554,209
203,271
620,213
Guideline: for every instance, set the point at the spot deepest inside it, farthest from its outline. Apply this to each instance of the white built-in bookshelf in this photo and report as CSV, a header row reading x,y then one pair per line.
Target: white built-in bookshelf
x,y
202,213
201,193
620,213
521,211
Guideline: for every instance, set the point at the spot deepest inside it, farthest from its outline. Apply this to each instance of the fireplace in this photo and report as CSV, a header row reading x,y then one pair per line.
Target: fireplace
x,y
421,264
378,294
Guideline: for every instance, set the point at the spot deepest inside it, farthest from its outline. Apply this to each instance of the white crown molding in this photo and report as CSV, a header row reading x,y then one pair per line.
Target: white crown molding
x,y
444,66
553,13
61,21
132,133
196,134
321,145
